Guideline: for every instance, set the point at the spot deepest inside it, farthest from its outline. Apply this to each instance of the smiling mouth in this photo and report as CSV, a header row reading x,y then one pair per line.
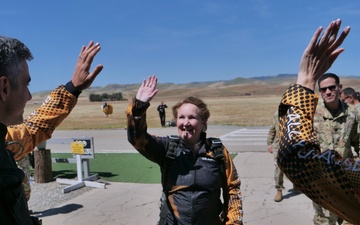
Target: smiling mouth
x,y
187,129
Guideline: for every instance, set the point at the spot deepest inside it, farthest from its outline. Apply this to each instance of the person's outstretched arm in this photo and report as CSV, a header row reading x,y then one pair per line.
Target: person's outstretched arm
x,y
40,124
152,147
326,178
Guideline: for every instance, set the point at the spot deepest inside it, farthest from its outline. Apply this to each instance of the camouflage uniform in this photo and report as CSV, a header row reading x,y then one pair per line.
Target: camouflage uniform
x,y
339,133
273,139
39,126
357,107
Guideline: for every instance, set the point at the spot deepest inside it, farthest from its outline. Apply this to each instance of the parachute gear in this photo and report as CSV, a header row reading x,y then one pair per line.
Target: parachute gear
x,y
217,148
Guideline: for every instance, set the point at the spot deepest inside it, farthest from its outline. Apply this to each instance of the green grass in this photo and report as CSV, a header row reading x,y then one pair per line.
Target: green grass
x,y
114,167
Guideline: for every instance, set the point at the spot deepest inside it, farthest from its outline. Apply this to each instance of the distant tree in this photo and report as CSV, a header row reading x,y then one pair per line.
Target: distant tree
x,y
106,97
117,96
95,98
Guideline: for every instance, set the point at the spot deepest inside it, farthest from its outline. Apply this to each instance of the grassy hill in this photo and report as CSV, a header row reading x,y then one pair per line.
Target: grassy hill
x,y
240,101
258,86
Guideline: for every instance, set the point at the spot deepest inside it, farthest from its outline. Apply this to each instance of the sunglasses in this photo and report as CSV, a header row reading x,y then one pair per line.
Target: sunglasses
x,y
331,88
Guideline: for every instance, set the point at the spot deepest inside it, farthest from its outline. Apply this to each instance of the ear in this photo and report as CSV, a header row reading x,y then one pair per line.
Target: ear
x,y
340,86
4,88
205,127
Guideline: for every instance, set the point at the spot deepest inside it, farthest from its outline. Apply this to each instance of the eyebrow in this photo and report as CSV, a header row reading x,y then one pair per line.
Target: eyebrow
x,y
328,86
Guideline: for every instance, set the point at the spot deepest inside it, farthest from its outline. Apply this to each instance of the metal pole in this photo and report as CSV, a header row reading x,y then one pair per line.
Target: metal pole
x,y
79,169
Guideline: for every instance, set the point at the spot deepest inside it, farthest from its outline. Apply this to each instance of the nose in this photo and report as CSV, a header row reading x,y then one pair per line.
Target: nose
x,y
328,91
30,96
186,123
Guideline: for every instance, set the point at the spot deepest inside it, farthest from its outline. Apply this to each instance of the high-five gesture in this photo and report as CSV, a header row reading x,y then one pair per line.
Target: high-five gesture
x,y
147,89
321,53
83,78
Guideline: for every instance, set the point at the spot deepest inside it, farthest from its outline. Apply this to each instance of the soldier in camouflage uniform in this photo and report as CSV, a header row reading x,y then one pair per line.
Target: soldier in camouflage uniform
x,y
350,97
336,127
273,146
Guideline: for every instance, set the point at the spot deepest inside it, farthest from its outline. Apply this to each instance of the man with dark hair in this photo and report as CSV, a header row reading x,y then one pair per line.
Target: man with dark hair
x,y
350,96
335,124
14,93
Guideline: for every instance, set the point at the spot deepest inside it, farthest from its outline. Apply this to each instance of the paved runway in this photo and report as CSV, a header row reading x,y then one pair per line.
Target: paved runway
x,y
128,203
235,139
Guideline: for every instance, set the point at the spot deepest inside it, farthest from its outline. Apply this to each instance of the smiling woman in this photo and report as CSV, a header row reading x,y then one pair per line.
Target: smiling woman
x,y
190,154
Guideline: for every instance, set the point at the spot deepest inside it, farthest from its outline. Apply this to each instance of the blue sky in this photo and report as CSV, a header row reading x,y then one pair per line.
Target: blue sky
x,y
180,41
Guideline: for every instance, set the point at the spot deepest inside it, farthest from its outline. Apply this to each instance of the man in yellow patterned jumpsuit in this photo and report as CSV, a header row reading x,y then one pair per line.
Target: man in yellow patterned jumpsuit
x,y
40,124
327,178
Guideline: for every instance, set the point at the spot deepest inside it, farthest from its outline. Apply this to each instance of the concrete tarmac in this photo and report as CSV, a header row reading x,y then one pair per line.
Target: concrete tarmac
x,y
128,203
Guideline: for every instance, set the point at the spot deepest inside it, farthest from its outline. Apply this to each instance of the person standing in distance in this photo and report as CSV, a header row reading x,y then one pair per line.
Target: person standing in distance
x,y
161,109
273,146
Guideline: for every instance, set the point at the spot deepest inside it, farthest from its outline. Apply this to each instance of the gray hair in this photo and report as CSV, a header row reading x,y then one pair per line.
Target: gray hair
x,y
12,53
